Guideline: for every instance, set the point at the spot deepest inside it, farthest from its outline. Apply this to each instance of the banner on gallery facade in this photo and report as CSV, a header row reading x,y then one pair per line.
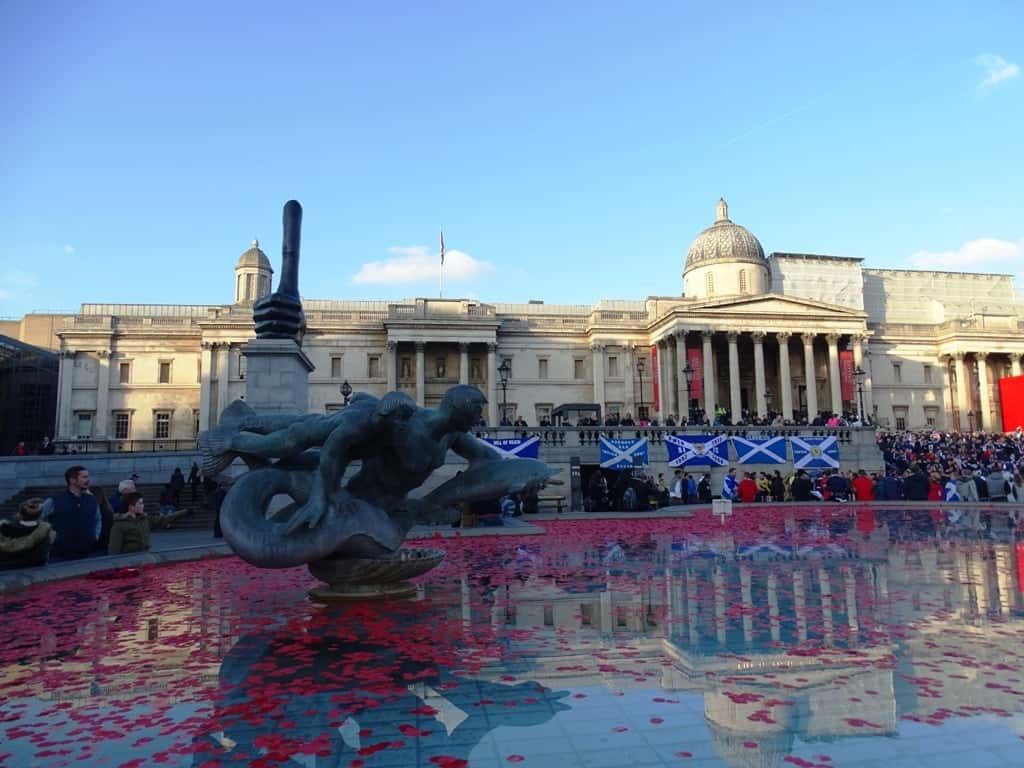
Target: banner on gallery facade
x,y
695,357
1011,400
846,374
620,453
815,452
697,450
655,378
515,447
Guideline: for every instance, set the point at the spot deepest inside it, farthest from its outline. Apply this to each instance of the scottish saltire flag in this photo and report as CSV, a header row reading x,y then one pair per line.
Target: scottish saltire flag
x,y
760,450
515,447
706,450
815,452
618,453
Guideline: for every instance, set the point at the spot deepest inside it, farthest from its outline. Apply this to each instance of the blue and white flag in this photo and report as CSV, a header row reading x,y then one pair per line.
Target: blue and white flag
x,y
618,453
760,450
815,452
706,450
515,447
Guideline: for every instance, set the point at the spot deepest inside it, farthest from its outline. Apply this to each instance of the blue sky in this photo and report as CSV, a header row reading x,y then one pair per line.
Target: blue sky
x,y
570,150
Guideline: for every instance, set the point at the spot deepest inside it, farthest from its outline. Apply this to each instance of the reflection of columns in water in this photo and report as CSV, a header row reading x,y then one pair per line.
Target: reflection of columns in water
x,y
825,584
1004,577
851,599
718,579
774,620
691,608
467,603
606,610
800,605
747,597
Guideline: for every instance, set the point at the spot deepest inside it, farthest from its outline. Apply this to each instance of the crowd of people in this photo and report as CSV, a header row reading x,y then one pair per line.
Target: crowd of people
x,y
82,521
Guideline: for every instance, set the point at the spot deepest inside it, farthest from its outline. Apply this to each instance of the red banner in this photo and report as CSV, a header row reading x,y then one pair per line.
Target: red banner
x,y
695,358
655,379
1020,567
1011,401
846,374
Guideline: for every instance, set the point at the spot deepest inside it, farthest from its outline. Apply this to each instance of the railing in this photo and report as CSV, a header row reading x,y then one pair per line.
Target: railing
x,y
68,447
570,436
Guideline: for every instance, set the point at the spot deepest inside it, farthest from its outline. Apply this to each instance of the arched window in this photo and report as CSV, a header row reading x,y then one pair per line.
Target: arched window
x,y
743,281
710,284
238,290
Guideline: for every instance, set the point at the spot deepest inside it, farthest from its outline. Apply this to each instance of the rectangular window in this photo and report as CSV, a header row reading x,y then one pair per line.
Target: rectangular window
x,y
373,366
542,369
405,369
162,425
241,363
335,366
124,373
577,369
586,614
507,362
613,367
122,425
927,374
165,372
549,615
84,431
199,371
931,415
474,370
897,373
441,368
195,422
544,413
613,409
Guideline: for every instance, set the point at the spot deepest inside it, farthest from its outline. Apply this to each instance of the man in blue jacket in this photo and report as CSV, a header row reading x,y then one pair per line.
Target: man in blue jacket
x,y
74,516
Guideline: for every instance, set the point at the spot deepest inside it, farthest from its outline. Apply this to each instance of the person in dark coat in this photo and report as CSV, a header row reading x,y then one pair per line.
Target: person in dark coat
x,y
889,488
915,485
75,517
195,481
25,542
801,486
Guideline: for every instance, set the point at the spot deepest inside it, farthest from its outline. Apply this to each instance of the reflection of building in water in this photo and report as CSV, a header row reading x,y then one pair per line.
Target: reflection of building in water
x,y
779,650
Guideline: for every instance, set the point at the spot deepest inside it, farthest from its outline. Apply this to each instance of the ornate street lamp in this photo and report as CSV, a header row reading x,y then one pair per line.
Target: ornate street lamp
x,y
346,391
504,371
640,371
859,374
688,374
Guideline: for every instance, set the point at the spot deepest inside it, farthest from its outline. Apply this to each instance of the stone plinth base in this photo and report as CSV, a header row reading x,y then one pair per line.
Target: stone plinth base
x,y
277,377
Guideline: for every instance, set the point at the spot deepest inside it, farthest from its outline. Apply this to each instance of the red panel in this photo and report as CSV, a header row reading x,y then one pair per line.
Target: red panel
x,y
695,357
1011,397
846,374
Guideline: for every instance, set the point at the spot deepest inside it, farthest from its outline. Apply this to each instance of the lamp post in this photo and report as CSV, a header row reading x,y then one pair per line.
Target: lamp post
x,y
859,374
504,371
640,371
688,374
769,396
346,391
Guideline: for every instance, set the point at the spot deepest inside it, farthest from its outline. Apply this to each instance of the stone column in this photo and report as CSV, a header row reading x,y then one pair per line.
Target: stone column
x,y
492,386
858,365
759,386
628,380
809,377
65,428
664,372
421,373
674,379
962,390
205,394
735,403
785,377
101,421
223,373
710,384
983,390
598,351
391,363
833,374
463,363
947,392
1015,364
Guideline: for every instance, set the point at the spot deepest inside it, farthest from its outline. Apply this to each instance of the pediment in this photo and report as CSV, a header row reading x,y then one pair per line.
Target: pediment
x,y
773,304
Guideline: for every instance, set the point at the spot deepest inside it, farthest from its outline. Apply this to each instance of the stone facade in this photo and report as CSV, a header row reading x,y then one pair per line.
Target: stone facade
x,y
769,343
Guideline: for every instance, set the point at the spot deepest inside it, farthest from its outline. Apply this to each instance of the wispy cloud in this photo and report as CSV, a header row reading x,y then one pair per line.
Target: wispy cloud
x,y
421,263
974,253
997,70
69,250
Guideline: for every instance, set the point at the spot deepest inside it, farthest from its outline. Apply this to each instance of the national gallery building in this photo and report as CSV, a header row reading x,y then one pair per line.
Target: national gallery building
x,y
790,333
